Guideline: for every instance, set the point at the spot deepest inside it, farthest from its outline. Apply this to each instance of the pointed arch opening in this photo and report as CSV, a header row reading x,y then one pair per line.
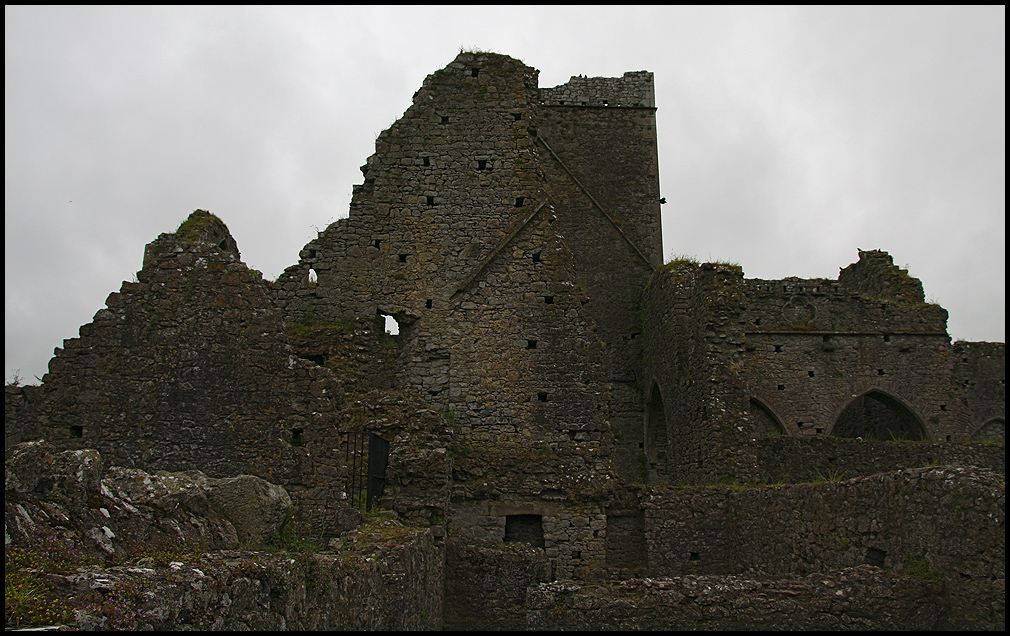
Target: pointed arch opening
x,y
993,430
877,415
655,435
767,425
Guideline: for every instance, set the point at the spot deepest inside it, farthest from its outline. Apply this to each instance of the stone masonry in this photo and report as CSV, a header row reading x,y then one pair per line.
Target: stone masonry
x,y
552,383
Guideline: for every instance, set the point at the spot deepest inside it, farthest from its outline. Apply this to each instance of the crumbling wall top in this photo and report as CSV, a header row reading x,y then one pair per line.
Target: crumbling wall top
x,y
633,89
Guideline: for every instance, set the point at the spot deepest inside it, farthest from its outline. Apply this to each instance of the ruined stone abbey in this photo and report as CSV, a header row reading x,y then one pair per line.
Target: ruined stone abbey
x,y
568,417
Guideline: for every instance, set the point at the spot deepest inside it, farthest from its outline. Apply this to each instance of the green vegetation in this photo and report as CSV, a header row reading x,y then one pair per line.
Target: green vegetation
x,y
191,229
924,570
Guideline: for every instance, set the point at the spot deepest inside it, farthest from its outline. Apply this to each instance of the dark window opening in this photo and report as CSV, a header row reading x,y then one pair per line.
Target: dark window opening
x,y
431,200
875,557
887,338
549,300
77,431
425,161
525,529
319,359
519,202
782,387
695,556
296,437
757,322
778,348
810,373
517,116
877,415
482,164
531,344
474,72
826,338
223,244
427,303
312,254
542,396
445,119
764,420
819,431
880,372
403,258
536,257
606,102
943,407
377,242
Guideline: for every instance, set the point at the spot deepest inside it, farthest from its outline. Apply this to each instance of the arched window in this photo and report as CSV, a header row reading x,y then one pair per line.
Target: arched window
x,y
767,424
877,415
994,429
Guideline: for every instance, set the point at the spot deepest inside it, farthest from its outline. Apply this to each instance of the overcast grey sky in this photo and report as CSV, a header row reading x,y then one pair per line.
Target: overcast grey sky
x,y
789,137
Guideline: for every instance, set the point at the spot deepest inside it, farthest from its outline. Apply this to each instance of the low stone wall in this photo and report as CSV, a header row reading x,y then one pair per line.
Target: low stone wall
x,y
486,583
853,598
396,587
802,459
946,522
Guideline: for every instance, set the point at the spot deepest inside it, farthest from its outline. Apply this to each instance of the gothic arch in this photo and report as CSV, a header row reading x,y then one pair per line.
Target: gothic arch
x,y
994,429
767,424
656,439
877,414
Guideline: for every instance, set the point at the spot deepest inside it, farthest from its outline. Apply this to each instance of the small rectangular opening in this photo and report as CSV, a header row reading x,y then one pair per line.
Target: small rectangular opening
x,y
474,72
377,242
549,300
431,200
517,116
880,372
427,304
525,529
810,373
782,387
542,396
296,437
875,557
445,119
425,161
77,431
694,556
778,348
482,164
531,344
519,202
536,257
403,258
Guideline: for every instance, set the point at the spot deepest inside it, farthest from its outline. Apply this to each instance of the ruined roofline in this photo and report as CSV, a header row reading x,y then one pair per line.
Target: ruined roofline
x,y
635,89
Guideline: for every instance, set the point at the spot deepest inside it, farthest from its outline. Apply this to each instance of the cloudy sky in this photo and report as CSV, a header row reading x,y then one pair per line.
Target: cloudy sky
x,y
788,137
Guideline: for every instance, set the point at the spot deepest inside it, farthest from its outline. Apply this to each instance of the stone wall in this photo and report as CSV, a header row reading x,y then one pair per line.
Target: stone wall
x,y
889,520
860,598
486,583
602,172
453,235
981,370
698,431
190,368
632,90
106,534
